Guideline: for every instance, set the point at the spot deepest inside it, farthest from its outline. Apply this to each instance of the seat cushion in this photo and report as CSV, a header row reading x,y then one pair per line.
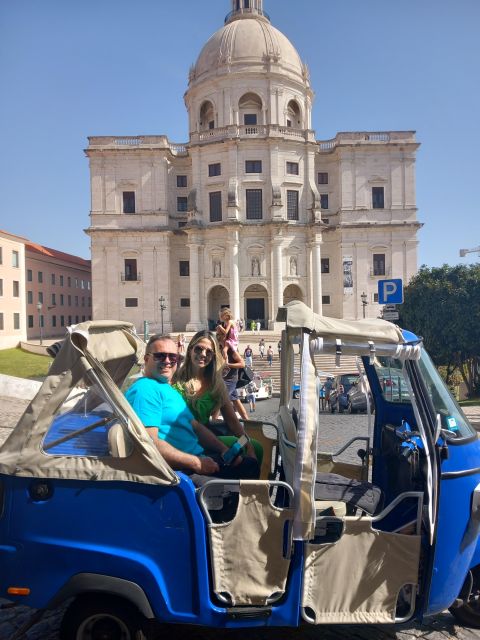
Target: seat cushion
x,y
364,495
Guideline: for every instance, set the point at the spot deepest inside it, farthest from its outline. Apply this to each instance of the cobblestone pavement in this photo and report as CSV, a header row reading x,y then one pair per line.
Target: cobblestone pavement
x,y
338,429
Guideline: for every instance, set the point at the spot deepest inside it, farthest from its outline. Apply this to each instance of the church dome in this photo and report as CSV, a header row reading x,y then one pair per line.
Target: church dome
x,y
248,42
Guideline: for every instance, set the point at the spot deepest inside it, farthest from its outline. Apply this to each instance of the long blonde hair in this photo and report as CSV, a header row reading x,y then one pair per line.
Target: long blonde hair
x,y
212,372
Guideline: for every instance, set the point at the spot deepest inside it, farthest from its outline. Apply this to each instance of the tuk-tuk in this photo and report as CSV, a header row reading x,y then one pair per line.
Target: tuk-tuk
x,y
90,512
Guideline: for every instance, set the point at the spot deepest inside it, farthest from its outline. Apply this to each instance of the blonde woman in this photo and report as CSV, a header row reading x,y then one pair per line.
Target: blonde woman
x,y
227,332
200,381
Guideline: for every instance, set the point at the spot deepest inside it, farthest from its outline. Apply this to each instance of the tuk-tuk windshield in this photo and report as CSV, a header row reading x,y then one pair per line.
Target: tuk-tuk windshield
x,y
453,421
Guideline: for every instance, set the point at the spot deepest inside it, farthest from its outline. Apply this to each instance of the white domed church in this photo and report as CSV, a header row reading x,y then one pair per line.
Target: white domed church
x,y
253,211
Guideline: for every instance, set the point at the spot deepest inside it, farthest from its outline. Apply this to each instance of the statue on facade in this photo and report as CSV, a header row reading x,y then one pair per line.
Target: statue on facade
x,y
255,267
217,269
293,266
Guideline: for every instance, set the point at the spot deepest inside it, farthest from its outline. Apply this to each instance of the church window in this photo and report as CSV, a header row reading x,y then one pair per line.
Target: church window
x,y
29,294
184,302
16,289
253,166
40,276
322,177
325,299
184,267
62,300
292,205
54,299
30,322
128,201
16,321
215,206
324,200
62,321
181,181
54,321
250,118
254,204
182,203
214,169
378,198
15,259
325,262
292,168
29,275
378,264
131,302
130,273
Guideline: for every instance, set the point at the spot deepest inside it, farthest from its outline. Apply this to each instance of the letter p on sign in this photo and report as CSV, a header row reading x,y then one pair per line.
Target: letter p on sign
x,y
390,291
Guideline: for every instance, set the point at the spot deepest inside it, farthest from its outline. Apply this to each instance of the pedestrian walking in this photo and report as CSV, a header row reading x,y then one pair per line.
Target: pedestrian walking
x,y
270,355
279,348
248,356
251,399
261,348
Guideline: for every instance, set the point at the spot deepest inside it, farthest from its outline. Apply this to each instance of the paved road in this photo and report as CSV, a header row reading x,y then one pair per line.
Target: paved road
x,y
337,430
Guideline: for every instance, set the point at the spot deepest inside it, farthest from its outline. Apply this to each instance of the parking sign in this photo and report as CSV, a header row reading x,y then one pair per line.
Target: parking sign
x,y
390,291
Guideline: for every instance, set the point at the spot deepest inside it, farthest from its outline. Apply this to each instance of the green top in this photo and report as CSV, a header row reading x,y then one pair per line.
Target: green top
x,y
204,405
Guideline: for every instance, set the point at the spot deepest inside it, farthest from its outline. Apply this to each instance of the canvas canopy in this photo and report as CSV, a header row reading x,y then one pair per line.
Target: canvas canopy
x,y
315,333
95,355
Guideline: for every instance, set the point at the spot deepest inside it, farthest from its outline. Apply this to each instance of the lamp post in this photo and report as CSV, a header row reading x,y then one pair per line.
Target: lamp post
x,y
364,302
163,306
39,308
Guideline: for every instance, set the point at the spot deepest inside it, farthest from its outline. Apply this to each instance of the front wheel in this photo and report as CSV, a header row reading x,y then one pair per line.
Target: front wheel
x,y
468,613
100,618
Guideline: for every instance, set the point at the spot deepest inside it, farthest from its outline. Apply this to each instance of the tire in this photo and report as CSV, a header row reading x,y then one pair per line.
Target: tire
x,y
350,409
100,618
468,614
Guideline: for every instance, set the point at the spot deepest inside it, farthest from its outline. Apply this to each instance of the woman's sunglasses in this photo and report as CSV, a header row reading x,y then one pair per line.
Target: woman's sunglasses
x,y
197,349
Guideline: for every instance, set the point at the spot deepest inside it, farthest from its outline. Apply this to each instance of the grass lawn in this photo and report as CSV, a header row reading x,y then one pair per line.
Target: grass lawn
x,y
15,362
472,402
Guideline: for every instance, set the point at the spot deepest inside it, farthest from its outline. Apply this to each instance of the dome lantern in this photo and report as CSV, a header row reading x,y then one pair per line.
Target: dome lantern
x,y
245,9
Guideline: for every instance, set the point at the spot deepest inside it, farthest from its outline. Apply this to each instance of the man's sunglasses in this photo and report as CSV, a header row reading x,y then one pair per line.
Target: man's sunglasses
x,y
161,356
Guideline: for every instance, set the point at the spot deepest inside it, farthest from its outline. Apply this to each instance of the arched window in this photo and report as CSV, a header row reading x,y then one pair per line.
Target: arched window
x,y
250,109
207,116
293,115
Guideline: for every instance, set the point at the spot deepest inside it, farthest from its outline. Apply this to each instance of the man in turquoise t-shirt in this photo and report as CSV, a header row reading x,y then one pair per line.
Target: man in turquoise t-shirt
x,y
180,438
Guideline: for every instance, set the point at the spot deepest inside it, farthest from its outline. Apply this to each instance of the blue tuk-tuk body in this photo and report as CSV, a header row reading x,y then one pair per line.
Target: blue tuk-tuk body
x,y
91,513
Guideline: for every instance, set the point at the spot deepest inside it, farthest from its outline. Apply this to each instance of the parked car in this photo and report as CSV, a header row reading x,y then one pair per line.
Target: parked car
x,y
357,396
338,400
91,514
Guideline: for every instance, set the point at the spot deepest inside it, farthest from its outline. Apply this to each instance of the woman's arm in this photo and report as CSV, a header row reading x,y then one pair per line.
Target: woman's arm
x,y
235,425
238,361
207,439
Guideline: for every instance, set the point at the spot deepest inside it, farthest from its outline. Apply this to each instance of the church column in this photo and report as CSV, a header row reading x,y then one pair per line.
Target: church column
x,y
316,276
277,276
234,275
194,324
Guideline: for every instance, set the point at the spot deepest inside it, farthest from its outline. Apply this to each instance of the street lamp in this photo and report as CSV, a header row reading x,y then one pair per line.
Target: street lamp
x,y
39,308
163,306
463,252
364,302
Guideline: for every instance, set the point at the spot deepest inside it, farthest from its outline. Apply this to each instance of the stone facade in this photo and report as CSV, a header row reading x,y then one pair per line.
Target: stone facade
x,y
12,290
253,211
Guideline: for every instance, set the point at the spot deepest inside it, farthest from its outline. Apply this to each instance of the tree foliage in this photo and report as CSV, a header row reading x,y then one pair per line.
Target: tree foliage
x,y
442,304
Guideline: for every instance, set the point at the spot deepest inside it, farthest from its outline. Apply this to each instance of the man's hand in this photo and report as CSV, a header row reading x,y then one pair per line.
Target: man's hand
x,y
207,466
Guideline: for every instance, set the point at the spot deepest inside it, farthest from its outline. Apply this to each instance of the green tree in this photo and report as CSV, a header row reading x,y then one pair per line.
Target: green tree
x,y
442,304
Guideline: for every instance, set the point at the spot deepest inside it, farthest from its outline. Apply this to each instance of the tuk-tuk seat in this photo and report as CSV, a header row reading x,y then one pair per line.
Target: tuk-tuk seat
x,y
329,487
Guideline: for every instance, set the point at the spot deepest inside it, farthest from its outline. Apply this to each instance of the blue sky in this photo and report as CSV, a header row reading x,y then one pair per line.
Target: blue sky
x,y
74,68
